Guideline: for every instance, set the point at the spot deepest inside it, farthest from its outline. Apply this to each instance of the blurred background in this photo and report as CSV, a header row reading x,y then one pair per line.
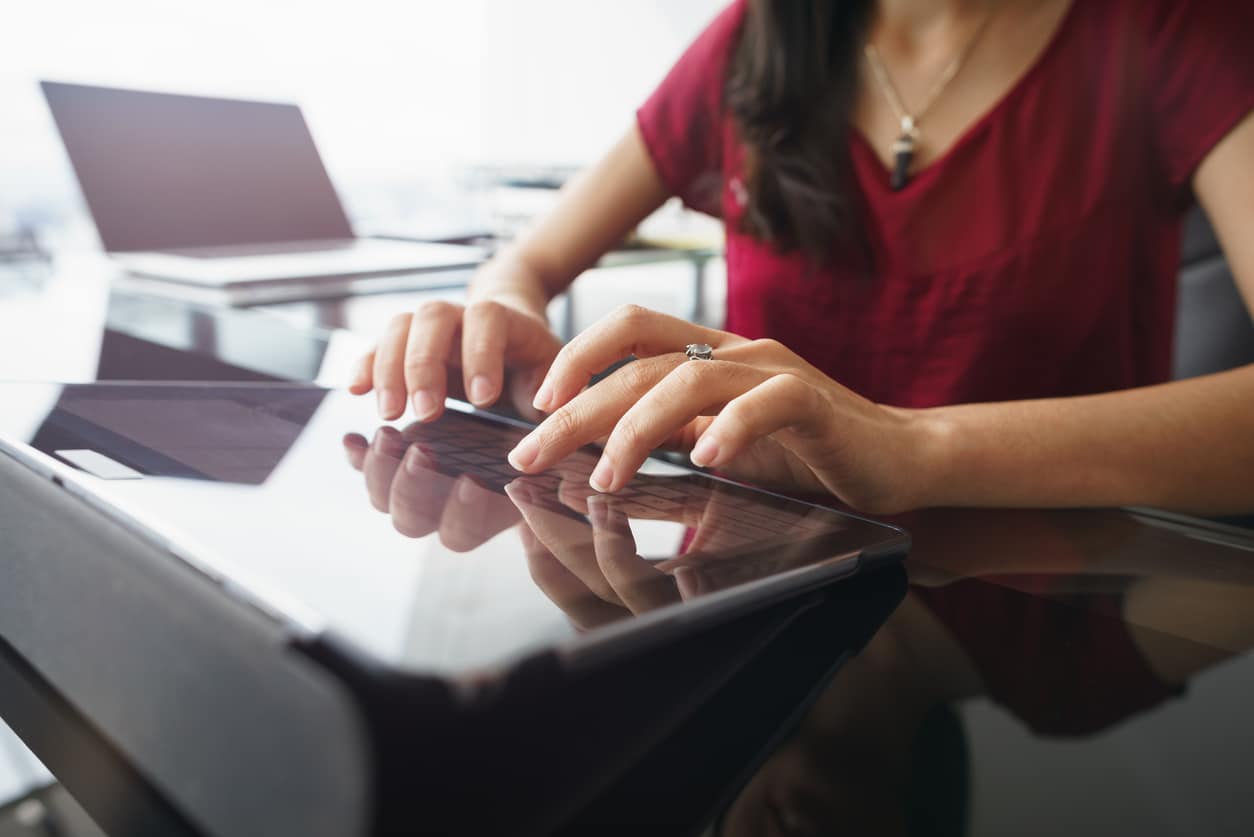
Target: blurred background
x,y
418,108
413,104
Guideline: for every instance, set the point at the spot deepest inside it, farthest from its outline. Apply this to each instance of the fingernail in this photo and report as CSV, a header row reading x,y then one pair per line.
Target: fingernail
x,y
424,403
390,403
543,396
597,510
480,389
466,492
414,462
603,476
524,453
705,453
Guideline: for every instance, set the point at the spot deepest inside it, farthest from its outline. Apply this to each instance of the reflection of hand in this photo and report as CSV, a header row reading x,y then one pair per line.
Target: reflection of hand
x,y
594,581
402,480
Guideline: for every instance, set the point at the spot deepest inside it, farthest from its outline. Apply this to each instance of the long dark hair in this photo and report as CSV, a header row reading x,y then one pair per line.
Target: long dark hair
x,y
790,91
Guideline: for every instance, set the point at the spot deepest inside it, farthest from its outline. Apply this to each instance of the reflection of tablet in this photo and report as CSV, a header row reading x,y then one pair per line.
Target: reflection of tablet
x,y
436,558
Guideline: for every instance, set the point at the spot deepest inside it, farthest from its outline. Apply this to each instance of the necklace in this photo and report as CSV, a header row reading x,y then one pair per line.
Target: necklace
x,y
904,146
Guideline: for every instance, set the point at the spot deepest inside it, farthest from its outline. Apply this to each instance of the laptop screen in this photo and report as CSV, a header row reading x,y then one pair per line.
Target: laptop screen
x,y
165,172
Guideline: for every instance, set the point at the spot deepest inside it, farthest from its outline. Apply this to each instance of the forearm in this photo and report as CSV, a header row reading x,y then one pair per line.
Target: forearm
x,y
594,213
1187,446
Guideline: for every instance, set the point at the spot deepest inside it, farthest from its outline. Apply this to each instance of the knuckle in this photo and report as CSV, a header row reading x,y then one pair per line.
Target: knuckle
x,y
635,376
690,375
562,424
741,414
399,324
789,385
485,309
422,360
628,436
631,313
438,309
639,376
769,347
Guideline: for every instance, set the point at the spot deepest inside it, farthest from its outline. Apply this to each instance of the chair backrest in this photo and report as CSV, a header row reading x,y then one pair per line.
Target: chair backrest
x,y
1213,327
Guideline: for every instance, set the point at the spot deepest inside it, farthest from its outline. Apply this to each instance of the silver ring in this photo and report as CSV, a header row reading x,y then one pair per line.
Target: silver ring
x,y
699,351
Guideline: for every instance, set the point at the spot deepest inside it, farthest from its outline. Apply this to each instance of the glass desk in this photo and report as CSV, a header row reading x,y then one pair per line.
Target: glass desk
x,y
1044,672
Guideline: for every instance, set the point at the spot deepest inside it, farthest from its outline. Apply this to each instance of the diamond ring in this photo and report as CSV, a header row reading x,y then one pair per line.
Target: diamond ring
x,y
699,351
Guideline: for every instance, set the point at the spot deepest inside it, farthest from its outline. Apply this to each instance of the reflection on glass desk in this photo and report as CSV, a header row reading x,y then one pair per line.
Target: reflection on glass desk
x,y
1060,672
1079,673
78,328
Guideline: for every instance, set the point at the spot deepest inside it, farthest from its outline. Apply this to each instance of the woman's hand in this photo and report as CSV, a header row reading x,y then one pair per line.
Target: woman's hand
x,y
756,411
504,327
493,335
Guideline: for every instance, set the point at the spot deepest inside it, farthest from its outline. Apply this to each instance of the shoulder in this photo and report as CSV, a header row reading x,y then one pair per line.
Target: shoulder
x,y
710,54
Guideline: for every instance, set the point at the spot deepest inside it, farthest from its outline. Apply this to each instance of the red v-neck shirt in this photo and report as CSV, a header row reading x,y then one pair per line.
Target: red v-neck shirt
x,y
1036,257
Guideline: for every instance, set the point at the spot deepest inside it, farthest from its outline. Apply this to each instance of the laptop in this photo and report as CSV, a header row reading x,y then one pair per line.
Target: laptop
x,y
220,194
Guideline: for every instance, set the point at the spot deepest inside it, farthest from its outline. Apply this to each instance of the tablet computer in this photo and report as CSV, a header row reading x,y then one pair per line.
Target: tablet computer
x,y
414,550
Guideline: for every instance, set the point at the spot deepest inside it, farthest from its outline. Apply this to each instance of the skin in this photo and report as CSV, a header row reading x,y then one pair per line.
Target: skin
x,y
761,413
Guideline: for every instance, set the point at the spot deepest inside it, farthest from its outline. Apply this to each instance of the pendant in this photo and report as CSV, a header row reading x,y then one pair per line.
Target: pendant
x,y
903,154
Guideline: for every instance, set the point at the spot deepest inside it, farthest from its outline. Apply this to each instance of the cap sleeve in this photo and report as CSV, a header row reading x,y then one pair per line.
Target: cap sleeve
x,y
1201,74
682,122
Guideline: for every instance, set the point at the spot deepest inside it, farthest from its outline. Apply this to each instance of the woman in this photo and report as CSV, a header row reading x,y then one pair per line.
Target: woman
x,y
952,235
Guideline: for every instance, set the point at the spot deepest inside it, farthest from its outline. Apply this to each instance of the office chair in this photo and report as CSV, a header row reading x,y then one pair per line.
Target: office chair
x,y
1213,328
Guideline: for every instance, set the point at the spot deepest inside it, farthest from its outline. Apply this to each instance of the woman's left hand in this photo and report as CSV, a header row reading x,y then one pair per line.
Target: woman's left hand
x,y
756,411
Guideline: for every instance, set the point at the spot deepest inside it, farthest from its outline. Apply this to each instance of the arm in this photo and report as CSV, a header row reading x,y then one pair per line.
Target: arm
x,y
1186,445
763,414
595,212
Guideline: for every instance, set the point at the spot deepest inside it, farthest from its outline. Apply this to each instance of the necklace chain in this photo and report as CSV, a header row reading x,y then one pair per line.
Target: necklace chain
x,y
910,121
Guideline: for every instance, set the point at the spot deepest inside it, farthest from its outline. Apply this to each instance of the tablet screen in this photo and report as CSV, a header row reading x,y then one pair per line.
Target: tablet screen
x,y
416,542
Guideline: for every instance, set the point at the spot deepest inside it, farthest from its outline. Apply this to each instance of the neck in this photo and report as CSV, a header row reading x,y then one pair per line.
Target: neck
x,y
911,23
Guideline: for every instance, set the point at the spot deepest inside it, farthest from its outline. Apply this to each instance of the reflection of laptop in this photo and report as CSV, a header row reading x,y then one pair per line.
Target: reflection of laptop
x,y
219,193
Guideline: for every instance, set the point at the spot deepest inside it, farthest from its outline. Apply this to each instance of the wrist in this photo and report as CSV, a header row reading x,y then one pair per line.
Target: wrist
x,y
930,448
506,278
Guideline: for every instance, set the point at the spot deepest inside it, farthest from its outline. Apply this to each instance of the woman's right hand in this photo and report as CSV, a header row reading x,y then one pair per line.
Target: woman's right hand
x,y
504,328
485,339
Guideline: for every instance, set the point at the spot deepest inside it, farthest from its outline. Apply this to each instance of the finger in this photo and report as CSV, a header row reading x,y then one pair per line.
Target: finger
x,y
355,447
363,375
692,389
431,334
563,588
484,335
491,332
589,416
419,495
473,515
568,540
631,330
781,403
573,493
638,585
710,533
380,463
389,367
